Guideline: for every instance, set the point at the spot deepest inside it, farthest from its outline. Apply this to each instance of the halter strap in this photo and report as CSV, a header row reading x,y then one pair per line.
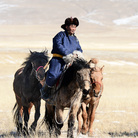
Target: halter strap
x,y
39,68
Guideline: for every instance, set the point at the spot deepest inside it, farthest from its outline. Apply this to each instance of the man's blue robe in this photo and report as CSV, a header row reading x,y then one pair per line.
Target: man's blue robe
x,y
63,44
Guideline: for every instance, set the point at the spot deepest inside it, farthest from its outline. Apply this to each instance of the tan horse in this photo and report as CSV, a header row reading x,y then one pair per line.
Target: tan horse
x,y
87,114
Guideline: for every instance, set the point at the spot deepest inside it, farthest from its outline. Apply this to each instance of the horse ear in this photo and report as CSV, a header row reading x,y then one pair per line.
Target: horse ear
x,y
94,61
45,52
31,52
102,68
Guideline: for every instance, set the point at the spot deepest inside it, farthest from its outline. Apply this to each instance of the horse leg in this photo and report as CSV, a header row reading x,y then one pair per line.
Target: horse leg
x,y
79,118
59,121
26,118
49,118
37,115
85,118
71,121
92,116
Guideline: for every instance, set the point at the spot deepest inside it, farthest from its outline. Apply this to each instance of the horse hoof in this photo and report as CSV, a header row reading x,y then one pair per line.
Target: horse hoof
x,y
19,133
58,132
25,132
90,134
78,132
31,131
84,132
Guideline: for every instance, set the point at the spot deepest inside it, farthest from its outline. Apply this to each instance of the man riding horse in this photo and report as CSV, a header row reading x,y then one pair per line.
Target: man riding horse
x,y
65,46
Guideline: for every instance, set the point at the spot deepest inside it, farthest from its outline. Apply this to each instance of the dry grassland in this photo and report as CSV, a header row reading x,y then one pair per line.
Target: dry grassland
x,y
117,114
116,47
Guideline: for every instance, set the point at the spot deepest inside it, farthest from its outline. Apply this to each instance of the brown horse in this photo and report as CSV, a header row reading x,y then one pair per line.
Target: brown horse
x,y
87,114
76,81
26,87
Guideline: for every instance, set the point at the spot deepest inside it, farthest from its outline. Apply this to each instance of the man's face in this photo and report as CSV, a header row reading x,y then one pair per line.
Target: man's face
x,y
71,29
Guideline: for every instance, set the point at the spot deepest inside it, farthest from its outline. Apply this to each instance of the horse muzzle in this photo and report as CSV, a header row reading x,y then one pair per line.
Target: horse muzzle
x,y
96,94
40,78
85,92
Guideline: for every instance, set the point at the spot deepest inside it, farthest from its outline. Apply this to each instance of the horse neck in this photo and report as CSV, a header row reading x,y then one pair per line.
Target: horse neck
x,y
31,77
74,86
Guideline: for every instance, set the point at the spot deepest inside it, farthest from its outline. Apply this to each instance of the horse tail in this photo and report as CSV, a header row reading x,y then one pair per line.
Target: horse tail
x,y
15,113
14,107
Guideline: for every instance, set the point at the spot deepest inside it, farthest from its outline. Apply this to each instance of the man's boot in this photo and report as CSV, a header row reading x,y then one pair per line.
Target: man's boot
x,y
46,92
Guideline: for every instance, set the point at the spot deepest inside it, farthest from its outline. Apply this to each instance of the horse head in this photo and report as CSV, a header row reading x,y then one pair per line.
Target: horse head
x,y
79,75
96,76
36,62
83,76
38,65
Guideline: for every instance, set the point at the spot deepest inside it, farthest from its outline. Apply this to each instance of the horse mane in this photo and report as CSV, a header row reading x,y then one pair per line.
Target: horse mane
x,y
70,74
33,56
96,69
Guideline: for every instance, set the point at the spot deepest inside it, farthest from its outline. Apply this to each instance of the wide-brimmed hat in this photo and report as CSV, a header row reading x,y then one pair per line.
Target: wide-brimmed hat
x,y
70,21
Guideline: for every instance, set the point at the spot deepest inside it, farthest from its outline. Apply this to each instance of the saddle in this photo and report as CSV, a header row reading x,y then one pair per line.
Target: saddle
x,y
59,81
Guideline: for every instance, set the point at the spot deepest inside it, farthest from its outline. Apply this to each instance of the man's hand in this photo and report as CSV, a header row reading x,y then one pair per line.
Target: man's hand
x,y
68,58
78,54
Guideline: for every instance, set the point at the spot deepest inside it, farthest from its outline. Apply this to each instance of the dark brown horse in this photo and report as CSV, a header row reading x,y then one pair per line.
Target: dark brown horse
x,y
26,87
89,105
76,81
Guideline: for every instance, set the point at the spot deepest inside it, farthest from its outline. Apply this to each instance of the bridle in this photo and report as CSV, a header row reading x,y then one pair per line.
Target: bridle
x,y
36,72
39,68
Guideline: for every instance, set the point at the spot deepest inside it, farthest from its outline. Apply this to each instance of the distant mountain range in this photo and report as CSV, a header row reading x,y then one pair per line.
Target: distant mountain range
x,y
96,12
104,24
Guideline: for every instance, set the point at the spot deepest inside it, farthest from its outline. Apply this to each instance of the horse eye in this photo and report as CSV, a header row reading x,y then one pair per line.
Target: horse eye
x,y
93,84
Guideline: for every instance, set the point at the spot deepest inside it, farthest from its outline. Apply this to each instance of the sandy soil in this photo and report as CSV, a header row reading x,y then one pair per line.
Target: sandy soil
x,y
117,114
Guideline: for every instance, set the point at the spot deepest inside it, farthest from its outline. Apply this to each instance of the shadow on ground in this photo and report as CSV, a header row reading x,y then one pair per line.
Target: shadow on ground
x,y
15,134
123,134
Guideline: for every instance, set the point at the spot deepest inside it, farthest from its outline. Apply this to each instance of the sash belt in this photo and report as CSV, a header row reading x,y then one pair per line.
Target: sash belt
x,y
57,55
